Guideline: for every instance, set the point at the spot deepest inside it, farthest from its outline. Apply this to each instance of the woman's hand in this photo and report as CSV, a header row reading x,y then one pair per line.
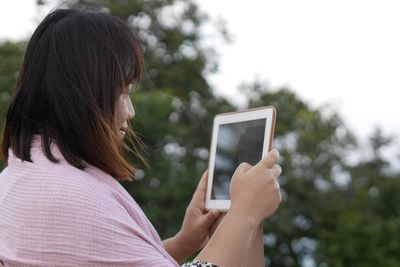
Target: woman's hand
x,y
198,222
196,226
255,195
255,191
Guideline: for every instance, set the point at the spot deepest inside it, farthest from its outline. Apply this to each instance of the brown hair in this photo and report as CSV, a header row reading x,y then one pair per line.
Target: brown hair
x,y
76,65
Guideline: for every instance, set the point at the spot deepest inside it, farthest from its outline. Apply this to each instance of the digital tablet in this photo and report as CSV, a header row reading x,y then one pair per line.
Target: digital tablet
x,y
243,136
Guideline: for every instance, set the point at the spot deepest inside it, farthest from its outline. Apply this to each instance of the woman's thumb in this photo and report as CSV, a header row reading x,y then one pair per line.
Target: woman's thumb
x,y
211,217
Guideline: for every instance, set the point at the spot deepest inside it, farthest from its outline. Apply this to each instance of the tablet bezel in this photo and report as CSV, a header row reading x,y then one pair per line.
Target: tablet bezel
x,y
268,112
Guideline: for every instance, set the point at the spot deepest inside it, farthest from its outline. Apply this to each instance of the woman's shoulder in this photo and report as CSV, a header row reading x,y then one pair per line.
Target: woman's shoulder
x,y
69,193
75,211
65,184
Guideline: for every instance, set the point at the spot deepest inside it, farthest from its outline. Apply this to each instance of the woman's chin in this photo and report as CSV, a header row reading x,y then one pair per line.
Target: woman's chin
x,y
121,134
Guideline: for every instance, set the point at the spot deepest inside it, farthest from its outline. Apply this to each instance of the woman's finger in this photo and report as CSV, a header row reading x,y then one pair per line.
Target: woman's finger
x,y
242,168
269,160
276,171
200,192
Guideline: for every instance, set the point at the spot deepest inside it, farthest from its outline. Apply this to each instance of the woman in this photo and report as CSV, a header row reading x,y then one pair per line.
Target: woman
x,y
61,203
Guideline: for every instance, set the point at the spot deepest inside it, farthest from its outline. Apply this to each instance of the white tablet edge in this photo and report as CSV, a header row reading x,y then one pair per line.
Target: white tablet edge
x,y
246,115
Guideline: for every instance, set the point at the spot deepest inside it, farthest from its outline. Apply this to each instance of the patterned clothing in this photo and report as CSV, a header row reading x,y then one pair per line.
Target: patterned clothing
x,y
53,214
196,263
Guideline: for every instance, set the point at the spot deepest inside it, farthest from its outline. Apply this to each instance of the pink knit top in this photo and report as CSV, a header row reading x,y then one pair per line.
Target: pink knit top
x,y
53,214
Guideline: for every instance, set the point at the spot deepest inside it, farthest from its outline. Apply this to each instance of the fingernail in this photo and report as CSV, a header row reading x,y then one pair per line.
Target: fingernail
x,y
276,152
215,213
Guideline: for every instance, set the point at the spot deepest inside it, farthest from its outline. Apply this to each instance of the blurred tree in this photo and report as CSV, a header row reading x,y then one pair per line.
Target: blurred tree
x,y
333,213
312,143
10,61
365,231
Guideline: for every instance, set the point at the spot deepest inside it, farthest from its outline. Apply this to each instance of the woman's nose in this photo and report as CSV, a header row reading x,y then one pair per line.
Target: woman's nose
x,y
129,108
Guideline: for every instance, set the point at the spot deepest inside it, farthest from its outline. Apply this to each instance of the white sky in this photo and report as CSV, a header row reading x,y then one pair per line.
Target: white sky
x,y
345,53
342,52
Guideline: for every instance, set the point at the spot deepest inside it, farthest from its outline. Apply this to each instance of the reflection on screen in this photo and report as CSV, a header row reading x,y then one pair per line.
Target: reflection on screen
x,y
237,142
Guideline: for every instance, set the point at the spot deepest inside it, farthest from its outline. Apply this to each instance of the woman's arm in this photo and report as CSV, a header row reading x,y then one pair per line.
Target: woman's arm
x,y
196,226
255,257
175,247
231,241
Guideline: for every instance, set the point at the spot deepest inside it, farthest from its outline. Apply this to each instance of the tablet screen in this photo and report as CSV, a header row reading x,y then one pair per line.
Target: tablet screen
x,y
236,142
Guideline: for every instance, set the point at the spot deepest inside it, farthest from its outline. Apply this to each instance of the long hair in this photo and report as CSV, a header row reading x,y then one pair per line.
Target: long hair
x,y
76,65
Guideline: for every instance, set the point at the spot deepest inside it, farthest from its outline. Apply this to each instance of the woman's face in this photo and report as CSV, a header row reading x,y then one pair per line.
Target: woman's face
x,y
124,112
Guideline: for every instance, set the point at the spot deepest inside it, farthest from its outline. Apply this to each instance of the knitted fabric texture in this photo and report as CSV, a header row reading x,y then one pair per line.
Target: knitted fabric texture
x,y
53,214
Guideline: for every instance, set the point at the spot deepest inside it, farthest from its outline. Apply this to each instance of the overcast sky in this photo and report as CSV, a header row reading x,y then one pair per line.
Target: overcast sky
x,y
344,53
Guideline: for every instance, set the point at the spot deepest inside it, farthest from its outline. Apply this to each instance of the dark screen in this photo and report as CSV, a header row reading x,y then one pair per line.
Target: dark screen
x,y
237,142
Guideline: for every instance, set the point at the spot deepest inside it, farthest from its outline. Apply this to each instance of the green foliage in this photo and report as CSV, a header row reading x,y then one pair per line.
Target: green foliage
x,y
311,143
10,61
332,213
366,228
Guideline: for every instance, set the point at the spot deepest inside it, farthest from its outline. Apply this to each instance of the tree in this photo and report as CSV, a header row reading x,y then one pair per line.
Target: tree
x,y
312,143
334,213
365,230
10,61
